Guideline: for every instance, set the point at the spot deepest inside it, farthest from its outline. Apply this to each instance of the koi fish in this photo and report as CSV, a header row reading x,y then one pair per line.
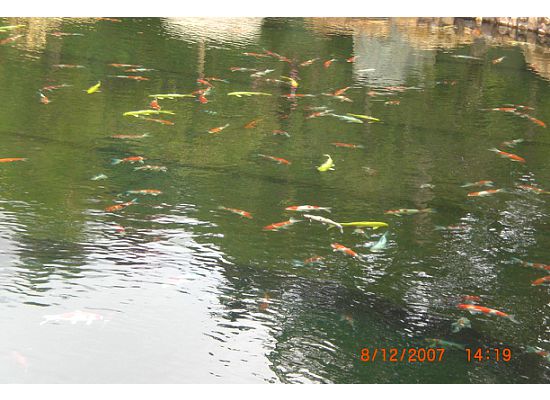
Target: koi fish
x,y
475,309
73,317
139,70
156,168
155,105
344,249
466,57
202,99
408,211
351,59
542,353
152,192
125,65
470,299
240,94
213,78
367,117
318,114
512,143
460,324
536,121
134,77
347,118
484,193
427,186
308,208
146,112
392,102
10,27
54,87
324,221
256,55
160,121
63,66
504,109
170,96
99,177
341,98
280,132
531,265
264,304
510,156
313,259
3,160
328,165
276,159
118,207
252,124
498,60
43,98
340,92
204,82
108,19
541,281
365,224
242,213
240,69
10,39
131,159
218,129
381,244
444,344
262,73
94,88
130,136
533,189
348,145
281,225
308,62
59,34
478,183
327,63
292,81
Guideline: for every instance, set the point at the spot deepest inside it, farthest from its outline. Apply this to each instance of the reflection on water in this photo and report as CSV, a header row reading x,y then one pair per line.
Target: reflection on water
x,y
183,291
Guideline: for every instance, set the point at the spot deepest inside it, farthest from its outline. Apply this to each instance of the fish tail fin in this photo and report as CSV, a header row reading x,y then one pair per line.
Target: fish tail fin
x,y
294,220
494,149
513,319
467,185
327,209
116,161
134,200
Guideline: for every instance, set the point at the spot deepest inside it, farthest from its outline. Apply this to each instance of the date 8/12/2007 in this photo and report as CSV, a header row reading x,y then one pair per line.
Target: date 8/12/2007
x,y
409,355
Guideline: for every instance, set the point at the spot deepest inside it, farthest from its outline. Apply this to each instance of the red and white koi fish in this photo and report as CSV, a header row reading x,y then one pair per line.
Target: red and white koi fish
x,y
352,59
118,207
509,156
308,208
313,259
139,70
541,281
281,225
475,309
485,193
125,65
346,250
348,145
533,189
327,63
276,159
531,265
280,132
54,87
242,213
218,129
133,77
4,160
512,143
278,56
308,62
73,317
131,160
478,183
341,97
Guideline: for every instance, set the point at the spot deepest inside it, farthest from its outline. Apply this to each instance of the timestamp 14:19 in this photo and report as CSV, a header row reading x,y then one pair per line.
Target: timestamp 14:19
x,y
489,354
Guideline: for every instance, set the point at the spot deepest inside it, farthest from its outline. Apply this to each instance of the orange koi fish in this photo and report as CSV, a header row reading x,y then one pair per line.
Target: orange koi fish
x,y
313,259
308,208
131,160
475,309
484,193
242,213
118,207
205,82
252,124
327,63
536,121
3,160
218,129
510,156
541,281
155,105
531,265
533,189
340,92
349,145
43,98
125,65
308,62
276,159
280,225
160,121
344,249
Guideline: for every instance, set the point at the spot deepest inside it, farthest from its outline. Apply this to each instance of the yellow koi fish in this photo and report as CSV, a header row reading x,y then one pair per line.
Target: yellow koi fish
x,y
365,224
364,117
327,165
94,88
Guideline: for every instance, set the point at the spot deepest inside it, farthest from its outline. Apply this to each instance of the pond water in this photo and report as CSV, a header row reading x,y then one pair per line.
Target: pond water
x,y
173,288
